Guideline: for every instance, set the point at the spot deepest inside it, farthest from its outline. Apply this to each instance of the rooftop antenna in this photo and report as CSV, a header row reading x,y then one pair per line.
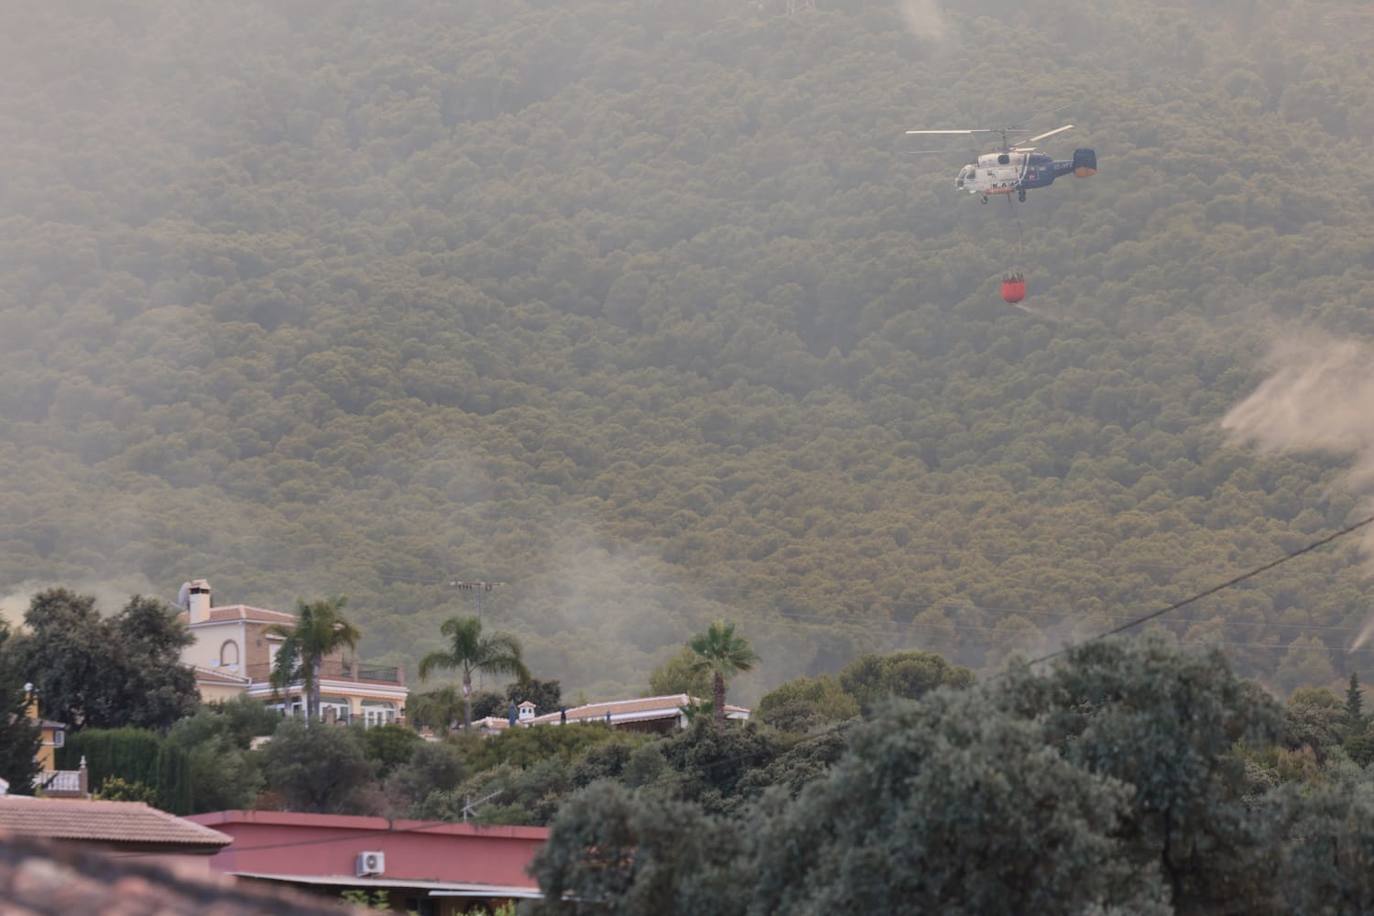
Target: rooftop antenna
x,y
470,806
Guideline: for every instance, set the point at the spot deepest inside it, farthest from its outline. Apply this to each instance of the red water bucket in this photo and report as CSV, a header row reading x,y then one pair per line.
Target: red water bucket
x,y
1013,288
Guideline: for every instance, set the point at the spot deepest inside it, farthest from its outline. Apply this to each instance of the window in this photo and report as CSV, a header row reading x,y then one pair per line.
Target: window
x,y
378,713
340,706
229,654
59,737
293,708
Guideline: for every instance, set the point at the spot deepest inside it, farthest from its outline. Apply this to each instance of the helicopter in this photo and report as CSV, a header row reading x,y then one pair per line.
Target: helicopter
x,y
1016,166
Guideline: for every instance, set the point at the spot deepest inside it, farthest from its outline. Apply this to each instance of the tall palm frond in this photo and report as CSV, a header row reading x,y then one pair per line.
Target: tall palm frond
x,y
723,654
470,651
319,631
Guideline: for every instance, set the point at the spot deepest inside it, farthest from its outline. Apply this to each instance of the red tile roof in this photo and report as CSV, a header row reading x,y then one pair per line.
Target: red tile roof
x,y
225,678
109,822
368,822
244,612
668,706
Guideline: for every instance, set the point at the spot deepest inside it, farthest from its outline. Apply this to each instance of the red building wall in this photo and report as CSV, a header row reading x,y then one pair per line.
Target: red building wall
x,y
322,845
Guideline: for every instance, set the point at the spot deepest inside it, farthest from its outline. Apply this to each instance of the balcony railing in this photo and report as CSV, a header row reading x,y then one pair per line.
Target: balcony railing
x,y
336,669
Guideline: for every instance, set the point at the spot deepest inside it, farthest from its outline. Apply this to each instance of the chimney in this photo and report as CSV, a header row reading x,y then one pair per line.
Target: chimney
x,y
198,600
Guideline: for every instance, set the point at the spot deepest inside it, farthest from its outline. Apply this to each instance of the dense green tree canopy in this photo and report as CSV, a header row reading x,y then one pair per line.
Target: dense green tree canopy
x,y
952,808
614,852
217,739
1127,776
873,679
106,672
1168,723
323,770
642,308
805,703
19,734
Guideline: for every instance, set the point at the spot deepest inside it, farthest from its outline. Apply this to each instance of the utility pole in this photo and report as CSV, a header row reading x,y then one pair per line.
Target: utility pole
x,y
478,588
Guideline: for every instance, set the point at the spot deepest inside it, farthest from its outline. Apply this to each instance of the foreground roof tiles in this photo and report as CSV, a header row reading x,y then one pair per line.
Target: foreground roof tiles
x,y
39,877
118,823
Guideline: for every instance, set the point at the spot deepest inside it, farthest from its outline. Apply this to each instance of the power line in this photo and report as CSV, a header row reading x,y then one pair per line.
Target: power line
x,y
948,641
1135,622
477,587
1229,583
937,627
1066,616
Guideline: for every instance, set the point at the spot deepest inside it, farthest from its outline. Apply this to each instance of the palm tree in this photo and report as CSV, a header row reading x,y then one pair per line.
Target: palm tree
x,y
470,651
438,708
320,630
723,654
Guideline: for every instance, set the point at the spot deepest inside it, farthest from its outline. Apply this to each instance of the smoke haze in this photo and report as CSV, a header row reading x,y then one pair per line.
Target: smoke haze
x,y
924,19
110,594
1318,397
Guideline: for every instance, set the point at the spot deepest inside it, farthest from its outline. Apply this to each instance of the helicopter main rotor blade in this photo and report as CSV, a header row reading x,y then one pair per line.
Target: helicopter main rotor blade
x,y
1027,115
1046,135
979,130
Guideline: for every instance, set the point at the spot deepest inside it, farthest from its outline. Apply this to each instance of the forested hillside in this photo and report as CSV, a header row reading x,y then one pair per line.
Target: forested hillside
x,y
644,307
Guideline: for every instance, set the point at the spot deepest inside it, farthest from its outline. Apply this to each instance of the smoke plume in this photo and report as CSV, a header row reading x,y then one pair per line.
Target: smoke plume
x,y
110,594
924,19
1319,397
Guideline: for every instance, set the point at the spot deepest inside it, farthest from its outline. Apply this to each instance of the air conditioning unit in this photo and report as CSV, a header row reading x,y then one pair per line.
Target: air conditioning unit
x,y
370,863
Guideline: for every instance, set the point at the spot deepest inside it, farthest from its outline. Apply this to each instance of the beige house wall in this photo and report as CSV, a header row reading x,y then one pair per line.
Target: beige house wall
x,y
47,753
218,693
259,656
354,693
210,639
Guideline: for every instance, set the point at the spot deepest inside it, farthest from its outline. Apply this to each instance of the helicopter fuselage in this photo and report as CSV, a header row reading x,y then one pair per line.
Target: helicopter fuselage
x,y
1017,172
